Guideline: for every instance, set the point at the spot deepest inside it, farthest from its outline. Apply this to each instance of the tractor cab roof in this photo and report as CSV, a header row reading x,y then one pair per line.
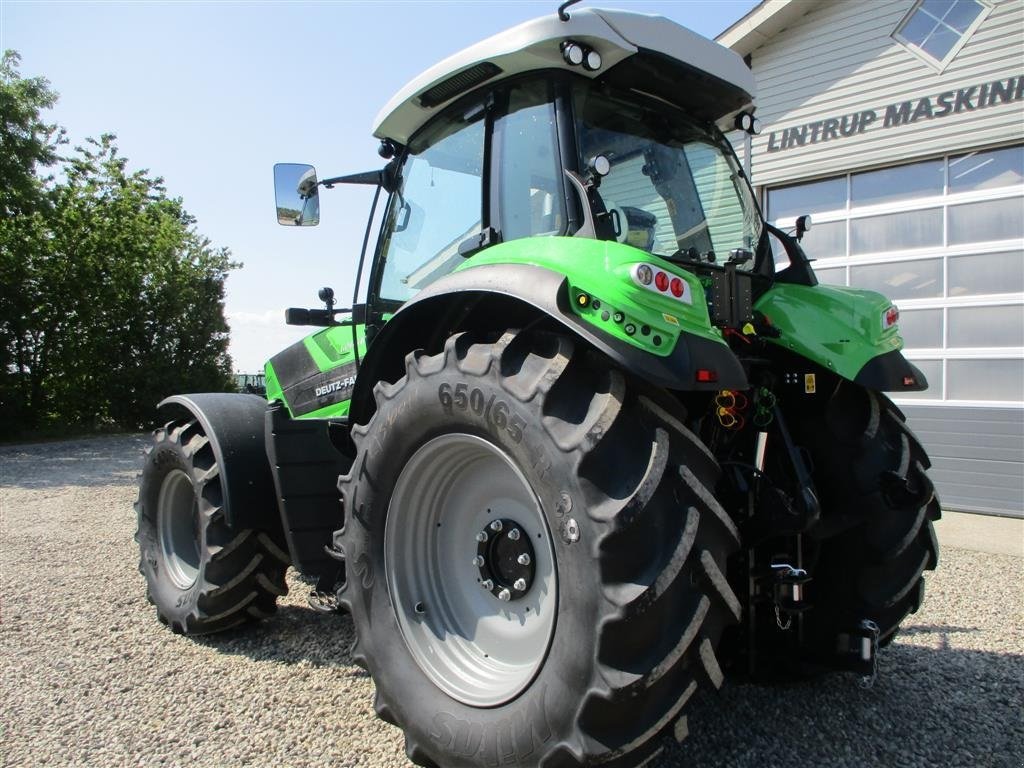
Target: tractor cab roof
x,y
641,52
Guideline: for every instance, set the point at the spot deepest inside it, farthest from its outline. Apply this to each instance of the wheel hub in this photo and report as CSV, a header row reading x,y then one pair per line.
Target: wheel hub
x,y
505,559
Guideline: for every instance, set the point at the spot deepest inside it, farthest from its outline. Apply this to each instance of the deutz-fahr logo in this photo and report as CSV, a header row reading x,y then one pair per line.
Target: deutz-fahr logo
x,y
335,386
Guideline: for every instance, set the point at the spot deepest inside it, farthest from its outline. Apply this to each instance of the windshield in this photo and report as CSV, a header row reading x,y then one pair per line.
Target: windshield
x,y
676,190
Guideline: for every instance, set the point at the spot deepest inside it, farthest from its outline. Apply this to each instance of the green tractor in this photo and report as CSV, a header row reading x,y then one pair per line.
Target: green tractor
x,y
591,437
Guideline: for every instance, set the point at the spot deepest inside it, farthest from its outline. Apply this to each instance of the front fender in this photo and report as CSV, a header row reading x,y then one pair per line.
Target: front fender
x,y
234,425
510,295
843,330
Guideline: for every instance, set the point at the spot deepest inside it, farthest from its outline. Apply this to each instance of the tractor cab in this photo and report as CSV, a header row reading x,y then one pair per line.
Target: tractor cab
x,y
555,154
586,127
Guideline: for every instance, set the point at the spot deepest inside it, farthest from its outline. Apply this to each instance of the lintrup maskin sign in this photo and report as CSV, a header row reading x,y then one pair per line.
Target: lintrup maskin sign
x,y
901,113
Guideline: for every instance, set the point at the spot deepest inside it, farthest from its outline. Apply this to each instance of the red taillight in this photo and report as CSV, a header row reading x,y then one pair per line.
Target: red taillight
x,y
891,317
659,281
706,375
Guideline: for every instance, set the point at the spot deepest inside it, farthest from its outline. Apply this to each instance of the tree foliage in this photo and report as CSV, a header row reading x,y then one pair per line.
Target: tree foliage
x,y
26,141
111,298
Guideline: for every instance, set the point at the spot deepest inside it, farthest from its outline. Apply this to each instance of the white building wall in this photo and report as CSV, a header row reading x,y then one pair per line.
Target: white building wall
x,y
840,59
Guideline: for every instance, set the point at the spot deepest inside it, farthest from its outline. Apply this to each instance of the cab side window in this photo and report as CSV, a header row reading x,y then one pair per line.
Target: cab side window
x,y
528,179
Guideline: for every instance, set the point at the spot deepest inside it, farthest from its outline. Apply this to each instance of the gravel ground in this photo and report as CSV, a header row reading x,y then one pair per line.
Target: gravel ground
x,y
89,677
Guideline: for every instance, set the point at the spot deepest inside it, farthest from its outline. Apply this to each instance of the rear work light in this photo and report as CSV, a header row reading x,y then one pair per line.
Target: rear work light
x,y
661,282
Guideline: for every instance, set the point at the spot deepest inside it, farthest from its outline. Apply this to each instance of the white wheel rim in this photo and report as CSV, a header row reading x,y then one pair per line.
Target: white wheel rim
x,y
479,649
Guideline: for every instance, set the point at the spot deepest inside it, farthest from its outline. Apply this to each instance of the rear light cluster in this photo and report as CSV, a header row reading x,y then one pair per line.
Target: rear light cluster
x,y
890,317
659,281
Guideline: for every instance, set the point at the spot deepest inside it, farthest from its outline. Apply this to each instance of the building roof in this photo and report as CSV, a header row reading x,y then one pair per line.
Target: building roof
x,y
765,21
535,45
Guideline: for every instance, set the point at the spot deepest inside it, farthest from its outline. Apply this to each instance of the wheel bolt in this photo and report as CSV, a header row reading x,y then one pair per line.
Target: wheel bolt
x,y
487,584
514,534
496,526
524,559
571,531
505,595
482,536
520,585
478,561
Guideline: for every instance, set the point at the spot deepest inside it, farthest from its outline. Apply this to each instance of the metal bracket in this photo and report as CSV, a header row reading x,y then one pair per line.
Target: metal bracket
x,y
788,593
857,651
588,228
869,652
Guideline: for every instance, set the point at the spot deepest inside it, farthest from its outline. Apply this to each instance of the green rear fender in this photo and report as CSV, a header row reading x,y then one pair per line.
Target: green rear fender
x,y
586,286
848,331
601,273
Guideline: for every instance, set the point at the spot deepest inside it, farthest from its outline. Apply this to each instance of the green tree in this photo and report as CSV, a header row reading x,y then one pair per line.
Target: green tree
x,y
117,300
27,145
26,140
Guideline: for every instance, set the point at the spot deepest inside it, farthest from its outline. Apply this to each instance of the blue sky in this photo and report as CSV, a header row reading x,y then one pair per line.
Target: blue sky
x,y
210,95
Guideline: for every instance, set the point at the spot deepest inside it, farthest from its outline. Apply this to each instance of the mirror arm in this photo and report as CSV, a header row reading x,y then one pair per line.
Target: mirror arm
x,y
370,178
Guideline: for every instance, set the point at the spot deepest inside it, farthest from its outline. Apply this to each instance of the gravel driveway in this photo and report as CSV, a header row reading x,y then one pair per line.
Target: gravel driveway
x,y
89,677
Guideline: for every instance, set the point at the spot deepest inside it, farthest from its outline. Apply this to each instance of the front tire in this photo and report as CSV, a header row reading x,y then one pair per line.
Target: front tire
x,y
594,655
202,575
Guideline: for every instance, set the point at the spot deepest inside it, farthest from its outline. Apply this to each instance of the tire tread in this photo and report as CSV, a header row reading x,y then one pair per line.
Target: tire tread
x,y
639,466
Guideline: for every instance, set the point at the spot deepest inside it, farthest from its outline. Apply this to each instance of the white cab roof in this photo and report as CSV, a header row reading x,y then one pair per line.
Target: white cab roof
x,y
534,45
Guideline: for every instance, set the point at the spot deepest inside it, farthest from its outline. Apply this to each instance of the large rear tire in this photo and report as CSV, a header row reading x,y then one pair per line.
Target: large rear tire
x,y
875,539
202,575
595,653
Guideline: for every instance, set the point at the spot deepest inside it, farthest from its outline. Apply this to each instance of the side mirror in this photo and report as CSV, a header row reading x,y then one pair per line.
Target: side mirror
x,y
296,190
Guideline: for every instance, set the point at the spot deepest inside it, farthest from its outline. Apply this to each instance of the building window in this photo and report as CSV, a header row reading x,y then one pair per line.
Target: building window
x,y
935,30
944,238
